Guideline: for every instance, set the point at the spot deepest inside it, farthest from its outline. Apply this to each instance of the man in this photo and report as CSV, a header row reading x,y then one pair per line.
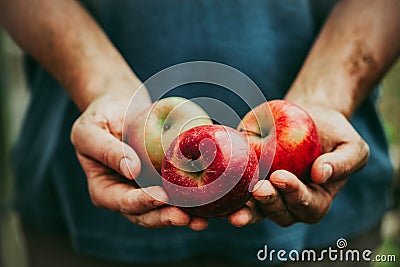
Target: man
x,y
101,61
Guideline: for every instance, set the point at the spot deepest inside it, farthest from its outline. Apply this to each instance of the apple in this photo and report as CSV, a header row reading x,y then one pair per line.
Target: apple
x,y
209,171
284,136
160,124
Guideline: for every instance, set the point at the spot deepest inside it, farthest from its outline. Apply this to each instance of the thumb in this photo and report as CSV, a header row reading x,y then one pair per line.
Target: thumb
x,y
99,144
344,160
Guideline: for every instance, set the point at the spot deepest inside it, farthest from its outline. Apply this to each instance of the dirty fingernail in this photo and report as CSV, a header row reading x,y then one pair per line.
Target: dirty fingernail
x,y
280,185
267,199
326,172
160,197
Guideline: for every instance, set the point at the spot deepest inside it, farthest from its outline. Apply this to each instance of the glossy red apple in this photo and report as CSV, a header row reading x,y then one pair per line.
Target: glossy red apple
x,y
209,171
282,132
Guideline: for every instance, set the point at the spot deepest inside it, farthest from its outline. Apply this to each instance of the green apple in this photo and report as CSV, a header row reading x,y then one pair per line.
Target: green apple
x,y
152,132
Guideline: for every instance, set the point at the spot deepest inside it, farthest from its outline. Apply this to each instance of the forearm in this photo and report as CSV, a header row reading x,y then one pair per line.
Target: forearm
x,y
71,46
356,46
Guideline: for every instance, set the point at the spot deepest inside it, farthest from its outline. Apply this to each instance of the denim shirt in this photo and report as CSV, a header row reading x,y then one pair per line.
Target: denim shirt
x,y
266,40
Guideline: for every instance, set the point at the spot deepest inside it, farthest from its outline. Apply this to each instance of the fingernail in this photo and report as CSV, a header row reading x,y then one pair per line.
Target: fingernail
x,y
264,199
280,185
260,186
158,203
263,192
160,197
326,172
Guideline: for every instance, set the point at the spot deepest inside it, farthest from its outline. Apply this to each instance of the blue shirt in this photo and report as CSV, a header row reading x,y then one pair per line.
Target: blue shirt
x,y
266,40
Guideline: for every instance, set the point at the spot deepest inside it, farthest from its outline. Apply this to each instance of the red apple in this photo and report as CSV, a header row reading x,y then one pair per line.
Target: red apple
x,y
209,171
286,129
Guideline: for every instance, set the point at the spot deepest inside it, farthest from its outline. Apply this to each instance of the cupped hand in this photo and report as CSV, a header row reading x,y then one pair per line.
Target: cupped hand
x,y
285,199
111,167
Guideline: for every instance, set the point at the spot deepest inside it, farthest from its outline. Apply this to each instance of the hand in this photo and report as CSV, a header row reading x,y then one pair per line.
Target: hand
x,y
285,199
97,136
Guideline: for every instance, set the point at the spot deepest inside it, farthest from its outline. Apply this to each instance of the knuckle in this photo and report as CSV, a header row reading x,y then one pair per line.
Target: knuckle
x,y
363,152
149,220
141,221
165,221
165,217
95,199
366,147
303,203
74,131
105,156
347,170
142,200
78,130
125,205
135,203
367,151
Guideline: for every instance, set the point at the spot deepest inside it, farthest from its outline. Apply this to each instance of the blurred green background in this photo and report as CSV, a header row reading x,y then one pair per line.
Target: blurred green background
x,y
14,98
13,101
